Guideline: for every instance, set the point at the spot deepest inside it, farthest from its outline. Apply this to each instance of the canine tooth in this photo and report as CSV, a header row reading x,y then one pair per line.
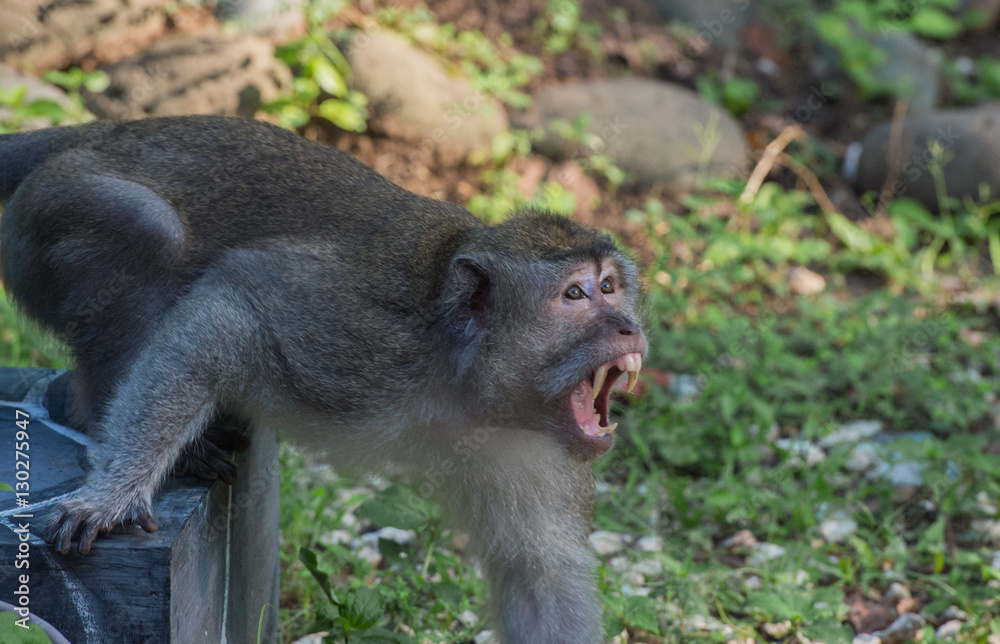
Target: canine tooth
x,y
610,428
599,375
633,377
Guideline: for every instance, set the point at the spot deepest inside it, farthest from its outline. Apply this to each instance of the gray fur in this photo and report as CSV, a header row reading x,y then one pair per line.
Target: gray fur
x,y
200,266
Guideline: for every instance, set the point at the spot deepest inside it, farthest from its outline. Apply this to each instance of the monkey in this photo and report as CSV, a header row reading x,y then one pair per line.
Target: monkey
x,y
258,275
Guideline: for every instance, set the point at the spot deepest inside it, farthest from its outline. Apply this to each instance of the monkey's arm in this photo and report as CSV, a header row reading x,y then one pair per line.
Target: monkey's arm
x,y
195,362
528,509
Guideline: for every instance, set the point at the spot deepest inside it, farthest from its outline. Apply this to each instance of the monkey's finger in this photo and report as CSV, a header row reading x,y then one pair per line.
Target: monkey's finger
x,y
65,531
147,523
87,537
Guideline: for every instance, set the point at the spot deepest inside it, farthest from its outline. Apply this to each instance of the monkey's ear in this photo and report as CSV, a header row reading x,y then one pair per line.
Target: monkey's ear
x,y
471,294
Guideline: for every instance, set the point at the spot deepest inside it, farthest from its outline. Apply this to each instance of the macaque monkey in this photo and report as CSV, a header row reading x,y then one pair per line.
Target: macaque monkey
x,y
260,276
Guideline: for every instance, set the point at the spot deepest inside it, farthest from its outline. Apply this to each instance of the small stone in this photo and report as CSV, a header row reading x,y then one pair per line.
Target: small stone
x,y
906,474
483,637
864,457
954,612
468,618
995,564
606,543
896,592
908,605
753,582
985,504
903,629
634,578
369,554
336,537
812,453
650,544
993,639
948,630
312,638
987,529
618,564
402,537
838,528
854,432
779,630
763,552
803,281
866,638
649,567
742,539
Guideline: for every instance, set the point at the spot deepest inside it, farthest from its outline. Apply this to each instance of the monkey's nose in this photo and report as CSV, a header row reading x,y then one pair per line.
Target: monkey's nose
x,y
628,327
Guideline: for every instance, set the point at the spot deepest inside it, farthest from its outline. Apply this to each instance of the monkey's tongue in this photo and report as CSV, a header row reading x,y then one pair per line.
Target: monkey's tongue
x,y
587,417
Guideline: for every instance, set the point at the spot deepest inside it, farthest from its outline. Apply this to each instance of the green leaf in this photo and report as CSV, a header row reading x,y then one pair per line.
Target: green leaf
x,y
308,558
829,631
383,636
45,108
4,487
396,507
640,612
362,608
329,79
97,81
342,114
934,23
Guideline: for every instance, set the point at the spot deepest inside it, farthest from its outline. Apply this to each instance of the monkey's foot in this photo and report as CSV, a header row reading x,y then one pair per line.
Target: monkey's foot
x,y
79,516
207,457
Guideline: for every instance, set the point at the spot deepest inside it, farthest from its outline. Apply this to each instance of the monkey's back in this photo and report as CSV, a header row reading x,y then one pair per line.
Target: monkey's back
x,y
235,183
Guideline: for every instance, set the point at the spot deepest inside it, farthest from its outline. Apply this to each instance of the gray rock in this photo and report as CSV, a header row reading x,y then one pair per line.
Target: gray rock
x,y
763,552
866,638
949,630
718,22
606,543
277,18
838,528
852,433
906,474
411,96
193,74
46,34
661,133
910,66
902,630
865,457
970,138
650,544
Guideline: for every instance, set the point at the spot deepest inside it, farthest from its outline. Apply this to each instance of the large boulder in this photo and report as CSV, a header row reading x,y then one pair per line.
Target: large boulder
x,y
661,133
192,74
46,34
411,96
970,143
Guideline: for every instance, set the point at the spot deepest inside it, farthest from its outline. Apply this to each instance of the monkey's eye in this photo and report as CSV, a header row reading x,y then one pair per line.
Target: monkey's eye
x,y
575,292
607,286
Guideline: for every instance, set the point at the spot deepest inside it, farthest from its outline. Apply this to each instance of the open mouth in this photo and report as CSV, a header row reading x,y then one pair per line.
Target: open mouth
x,y
589,400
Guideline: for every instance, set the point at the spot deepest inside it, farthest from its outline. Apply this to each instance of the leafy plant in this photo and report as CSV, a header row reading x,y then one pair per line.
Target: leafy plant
x,y
561,27
320,87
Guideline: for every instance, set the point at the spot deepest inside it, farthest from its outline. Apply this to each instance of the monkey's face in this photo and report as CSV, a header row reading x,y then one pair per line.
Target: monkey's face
x,y
594,309
573,338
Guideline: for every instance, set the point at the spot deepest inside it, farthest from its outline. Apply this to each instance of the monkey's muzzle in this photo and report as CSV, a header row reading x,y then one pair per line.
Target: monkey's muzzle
x,y
590,398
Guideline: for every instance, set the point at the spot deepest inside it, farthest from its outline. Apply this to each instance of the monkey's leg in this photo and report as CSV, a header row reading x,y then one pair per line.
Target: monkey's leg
x,y
96,258
207,457
195,362
528,508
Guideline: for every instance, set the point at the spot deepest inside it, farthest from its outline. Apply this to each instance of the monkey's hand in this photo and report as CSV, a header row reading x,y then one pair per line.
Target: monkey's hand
x,y
207,457
95,509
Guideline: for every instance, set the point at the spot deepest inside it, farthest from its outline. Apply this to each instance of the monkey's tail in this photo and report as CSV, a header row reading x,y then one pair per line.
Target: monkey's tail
x,y
22,152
